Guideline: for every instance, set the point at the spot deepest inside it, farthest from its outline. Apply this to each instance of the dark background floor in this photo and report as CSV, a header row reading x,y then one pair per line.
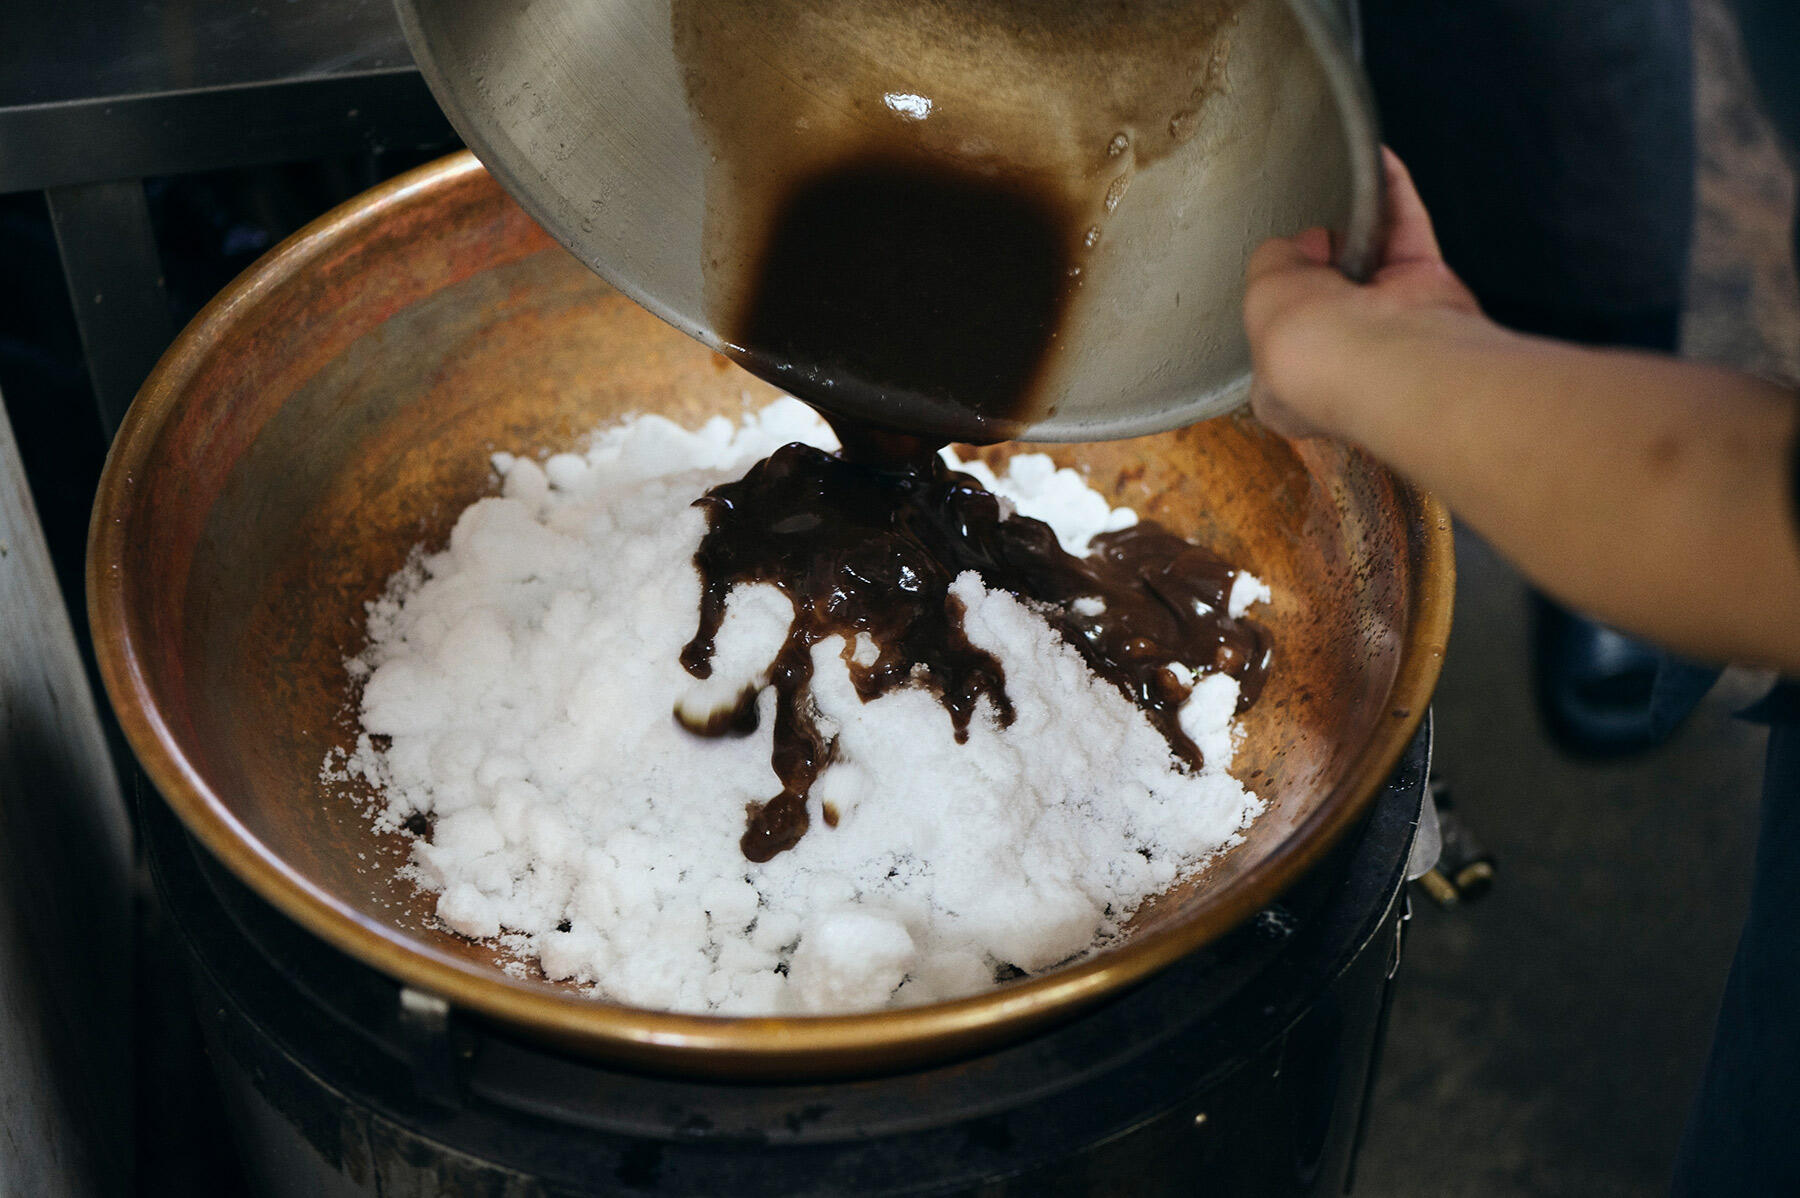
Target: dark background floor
x,y
1547,1040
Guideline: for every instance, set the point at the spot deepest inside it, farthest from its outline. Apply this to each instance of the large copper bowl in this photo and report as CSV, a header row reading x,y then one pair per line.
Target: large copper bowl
x,y
336,406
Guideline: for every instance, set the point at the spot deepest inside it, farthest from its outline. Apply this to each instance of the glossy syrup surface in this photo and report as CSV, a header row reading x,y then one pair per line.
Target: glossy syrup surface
x,y
867,551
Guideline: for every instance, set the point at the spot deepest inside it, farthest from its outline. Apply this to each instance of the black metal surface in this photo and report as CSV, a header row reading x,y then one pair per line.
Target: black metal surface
x,y
82,48
1270,1034
181,132
102,89
97,95
115,281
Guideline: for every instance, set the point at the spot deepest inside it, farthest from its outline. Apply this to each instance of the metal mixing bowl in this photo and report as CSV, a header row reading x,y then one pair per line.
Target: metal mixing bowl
x,y
580,108
337,404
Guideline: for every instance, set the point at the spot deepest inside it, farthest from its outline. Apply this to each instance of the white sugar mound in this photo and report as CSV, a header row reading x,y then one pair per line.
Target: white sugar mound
x,y
519,687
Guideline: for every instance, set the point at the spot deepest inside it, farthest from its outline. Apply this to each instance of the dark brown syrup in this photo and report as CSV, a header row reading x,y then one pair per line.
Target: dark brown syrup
x,y
910,283
863,550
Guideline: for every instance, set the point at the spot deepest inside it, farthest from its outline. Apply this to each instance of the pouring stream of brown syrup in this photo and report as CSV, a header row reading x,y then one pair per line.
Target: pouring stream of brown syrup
x,y
886,236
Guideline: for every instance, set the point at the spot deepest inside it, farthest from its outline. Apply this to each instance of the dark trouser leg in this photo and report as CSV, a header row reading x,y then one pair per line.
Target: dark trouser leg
x,y
1771,42
1553,141
1741,1136
1771,31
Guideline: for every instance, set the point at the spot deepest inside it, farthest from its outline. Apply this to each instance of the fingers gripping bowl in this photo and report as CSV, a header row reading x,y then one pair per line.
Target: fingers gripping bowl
x,y
337,405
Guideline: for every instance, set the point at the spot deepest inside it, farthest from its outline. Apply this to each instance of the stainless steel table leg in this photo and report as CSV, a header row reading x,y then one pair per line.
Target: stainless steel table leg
x,y
115,279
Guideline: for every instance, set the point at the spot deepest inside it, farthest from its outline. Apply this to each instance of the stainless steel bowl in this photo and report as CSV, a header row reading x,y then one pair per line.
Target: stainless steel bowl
x,y
582,110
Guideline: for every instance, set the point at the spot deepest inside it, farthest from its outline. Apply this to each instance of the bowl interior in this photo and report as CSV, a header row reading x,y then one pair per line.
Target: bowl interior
x,y
337,407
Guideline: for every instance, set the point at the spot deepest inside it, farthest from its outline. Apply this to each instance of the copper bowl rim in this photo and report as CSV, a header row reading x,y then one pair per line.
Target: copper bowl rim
x,y
797,1045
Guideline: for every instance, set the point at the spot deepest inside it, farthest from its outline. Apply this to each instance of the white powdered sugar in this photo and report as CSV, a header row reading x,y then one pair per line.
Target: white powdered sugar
x,y
518,688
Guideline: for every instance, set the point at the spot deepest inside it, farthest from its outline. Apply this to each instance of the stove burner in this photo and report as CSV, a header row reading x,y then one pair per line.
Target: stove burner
x,y
1246,1063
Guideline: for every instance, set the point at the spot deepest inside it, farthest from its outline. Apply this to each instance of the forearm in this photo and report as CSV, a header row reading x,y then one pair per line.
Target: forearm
x,y
1652,493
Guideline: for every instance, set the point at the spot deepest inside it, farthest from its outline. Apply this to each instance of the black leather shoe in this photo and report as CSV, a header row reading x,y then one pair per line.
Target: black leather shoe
x,y
1602,694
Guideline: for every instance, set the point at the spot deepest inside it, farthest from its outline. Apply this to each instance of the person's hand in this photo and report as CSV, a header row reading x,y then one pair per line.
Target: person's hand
x,y
1306,320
